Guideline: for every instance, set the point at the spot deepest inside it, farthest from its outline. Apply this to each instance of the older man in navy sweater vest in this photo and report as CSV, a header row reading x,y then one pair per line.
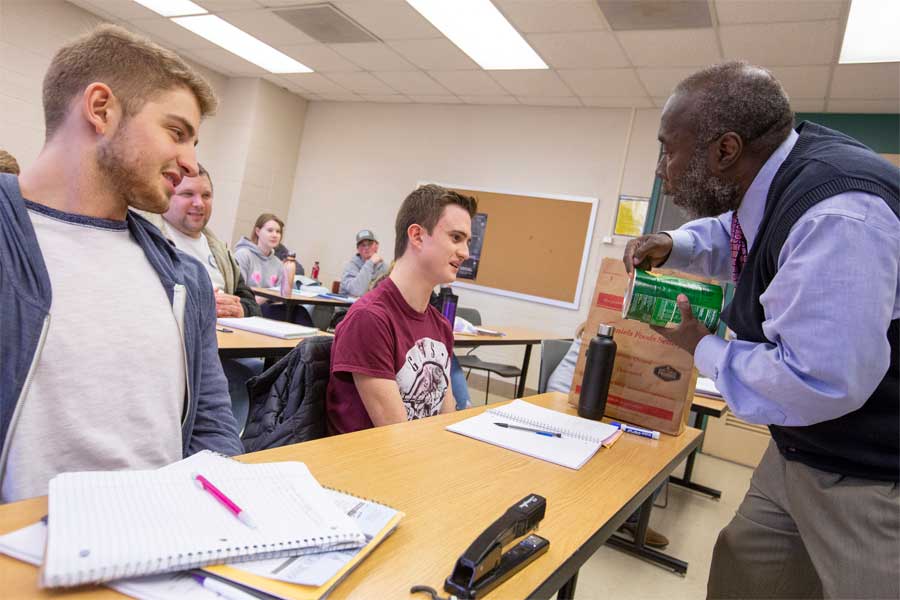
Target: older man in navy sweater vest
x,y
805,223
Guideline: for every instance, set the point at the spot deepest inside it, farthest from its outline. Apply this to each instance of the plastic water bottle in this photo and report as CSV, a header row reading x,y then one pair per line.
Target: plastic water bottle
x,y
315,270
288,271
598,369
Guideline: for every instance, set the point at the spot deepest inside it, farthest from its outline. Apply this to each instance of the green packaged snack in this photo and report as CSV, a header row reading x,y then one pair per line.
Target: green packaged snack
x,y
651,298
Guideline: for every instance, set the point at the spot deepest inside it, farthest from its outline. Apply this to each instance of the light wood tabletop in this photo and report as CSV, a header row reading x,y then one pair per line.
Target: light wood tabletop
x,y
513,336
451,487
295,299
706,405
237,343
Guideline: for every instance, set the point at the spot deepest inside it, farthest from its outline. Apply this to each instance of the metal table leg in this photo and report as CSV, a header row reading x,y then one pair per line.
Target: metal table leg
x,y
520,392
685,481
567,591
637,547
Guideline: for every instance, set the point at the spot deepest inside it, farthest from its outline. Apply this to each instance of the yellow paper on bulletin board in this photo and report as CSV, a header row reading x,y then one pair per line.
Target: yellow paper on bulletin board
x,y
631,215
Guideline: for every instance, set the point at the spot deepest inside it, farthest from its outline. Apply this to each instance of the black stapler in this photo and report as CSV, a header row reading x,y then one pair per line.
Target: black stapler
x,y
484,565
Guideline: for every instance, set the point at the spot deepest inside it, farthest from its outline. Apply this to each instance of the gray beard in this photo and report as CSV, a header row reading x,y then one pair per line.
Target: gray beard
x,y
699,193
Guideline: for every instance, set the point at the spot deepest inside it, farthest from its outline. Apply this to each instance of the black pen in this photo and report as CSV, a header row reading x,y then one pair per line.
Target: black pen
x,y
223,330
537,431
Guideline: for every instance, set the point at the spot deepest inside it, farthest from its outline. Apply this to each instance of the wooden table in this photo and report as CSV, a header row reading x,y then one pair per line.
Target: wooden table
x,y
295,300
515,336
451,487
704,406
246,344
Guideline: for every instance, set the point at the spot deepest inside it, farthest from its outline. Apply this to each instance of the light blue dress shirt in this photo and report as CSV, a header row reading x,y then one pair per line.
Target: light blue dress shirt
x,y
826,311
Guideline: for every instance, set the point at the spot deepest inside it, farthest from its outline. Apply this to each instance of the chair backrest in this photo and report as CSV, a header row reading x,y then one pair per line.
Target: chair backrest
x,y
287,401
469,314
552,353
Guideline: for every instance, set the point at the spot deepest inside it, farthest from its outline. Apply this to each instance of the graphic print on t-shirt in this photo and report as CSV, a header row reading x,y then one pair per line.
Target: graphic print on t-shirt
x,y
424,377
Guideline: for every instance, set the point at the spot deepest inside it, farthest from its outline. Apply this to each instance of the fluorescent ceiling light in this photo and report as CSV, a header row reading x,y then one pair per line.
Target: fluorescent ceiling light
x,y
872,32
478,28
173,8
224,34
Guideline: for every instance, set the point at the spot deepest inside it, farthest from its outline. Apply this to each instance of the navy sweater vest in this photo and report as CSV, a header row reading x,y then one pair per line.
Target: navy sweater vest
x,y
824,163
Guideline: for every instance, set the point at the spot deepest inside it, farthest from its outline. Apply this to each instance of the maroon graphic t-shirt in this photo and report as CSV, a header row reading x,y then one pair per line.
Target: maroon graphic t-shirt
x,y
383,336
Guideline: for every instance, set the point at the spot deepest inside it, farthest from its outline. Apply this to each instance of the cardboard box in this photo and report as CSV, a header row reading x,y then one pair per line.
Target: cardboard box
x,y
653,380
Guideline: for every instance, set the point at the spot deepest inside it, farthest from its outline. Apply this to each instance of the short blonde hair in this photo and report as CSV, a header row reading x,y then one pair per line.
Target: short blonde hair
x,y
134,68
8,163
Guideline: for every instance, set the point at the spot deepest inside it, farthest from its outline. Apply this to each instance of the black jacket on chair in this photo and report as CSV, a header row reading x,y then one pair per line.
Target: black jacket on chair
x,y
287,400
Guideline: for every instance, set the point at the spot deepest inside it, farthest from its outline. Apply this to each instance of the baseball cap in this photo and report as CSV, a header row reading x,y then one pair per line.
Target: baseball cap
x,y
365,234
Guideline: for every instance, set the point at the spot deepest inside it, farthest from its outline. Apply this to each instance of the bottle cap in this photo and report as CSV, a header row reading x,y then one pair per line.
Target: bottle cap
x,y
606,330
292,255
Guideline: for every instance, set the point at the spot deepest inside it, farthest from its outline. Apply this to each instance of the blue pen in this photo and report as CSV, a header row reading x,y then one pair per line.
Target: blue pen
x,y
647,433
537,431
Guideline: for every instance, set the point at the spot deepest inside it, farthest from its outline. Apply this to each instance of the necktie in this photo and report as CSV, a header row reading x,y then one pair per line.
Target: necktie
x,y
738,248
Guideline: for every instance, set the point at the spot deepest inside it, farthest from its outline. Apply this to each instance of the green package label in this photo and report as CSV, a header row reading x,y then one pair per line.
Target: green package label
x,y
651,298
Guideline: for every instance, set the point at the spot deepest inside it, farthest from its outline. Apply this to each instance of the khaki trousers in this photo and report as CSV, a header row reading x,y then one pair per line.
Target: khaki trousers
x,y
805,533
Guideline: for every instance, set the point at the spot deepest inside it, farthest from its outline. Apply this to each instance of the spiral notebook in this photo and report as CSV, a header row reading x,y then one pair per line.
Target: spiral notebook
x,y
579,438
108,525
270,327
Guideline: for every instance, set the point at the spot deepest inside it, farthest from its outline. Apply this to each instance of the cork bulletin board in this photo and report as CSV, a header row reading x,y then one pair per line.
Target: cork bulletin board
x,y
535,246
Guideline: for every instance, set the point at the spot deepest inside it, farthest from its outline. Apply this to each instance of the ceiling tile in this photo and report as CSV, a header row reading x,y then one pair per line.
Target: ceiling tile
x,y
489,100
472,83
226,62
532,16
386,99
438,54
671,47
803,82
338,97
123,10
604,82
615,102
412,82
659,102
316,83
863,106
362,83
774,11
169,34
319,57
445,99
531,83
283,3
807,43
372,56
389,19
873,82
268,27
807,104
583,50
227,5
548,101
661,82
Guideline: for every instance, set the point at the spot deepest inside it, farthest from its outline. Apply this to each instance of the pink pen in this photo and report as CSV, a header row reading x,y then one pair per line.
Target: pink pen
x,y
204,483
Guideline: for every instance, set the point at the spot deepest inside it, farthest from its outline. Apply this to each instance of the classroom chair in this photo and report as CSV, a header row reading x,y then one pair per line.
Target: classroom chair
x,y
470,361
287,401
552,353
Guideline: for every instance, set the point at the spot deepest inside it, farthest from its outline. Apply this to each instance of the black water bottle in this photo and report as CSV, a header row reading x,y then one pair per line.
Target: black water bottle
x,y
598,369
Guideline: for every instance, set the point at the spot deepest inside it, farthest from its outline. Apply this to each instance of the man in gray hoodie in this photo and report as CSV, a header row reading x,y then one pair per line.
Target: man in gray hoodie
x,y
365,266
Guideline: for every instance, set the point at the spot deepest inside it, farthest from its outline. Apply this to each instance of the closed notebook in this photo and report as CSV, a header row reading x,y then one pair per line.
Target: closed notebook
x,y
580,438
108,525
279,329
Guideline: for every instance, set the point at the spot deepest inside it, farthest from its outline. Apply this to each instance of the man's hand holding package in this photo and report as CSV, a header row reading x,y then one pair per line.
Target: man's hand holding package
x,y
647,251
689,333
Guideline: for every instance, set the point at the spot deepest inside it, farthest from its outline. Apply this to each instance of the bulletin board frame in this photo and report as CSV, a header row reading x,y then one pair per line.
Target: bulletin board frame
x,y
575,302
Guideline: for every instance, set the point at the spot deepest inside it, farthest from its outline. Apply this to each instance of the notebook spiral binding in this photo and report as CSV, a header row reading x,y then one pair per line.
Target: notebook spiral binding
x,y
539,425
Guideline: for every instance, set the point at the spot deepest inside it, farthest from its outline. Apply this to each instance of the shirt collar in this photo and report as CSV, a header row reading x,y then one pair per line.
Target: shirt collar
x,y
753,205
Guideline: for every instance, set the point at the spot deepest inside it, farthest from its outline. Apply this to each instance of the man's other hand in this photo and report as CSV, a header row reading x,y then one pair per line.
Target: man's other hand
x,y
228,305
647,251
689,333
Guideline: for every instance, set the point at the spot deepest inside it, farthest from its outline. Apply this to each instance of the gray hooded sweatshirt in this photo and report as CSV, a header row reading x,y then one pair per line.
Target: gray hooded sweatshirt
x,y
258,270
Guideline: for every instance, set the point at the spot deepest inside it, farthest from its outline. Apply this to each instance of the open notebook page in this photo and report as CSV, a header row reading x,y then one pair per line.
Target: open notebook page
x,y
109,525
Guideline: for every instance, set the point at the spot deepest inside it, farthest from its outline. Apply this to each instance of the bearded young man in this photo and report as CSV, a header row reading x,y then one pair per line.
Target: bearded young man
x,y
108,354
390,361
805,223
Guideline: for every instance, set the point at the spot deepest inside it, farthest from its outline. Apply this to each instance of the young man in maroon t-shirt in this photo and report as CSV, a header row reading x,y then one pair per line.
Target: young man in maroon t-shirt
x,y
390,361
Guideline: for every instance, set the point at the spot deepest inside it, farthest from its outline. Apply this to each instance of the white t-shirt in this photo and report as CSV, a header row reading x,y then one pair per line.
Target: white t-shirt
x,y
108,388
199,249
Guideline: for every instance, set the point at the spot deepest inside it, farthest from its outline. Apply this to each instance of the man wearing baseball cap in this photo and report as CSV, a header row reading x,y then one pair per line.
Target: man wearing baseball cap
x,y
365,266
